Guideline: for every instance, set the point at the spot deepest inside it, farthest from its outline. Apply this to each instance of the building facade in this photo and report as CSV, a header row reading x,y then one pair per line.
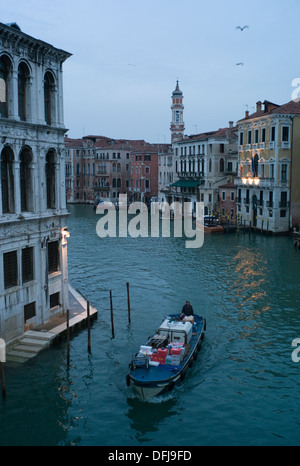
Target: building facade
x,y
227,203
144,173
204,162
166,174
98,167
33,236
268,195
112,169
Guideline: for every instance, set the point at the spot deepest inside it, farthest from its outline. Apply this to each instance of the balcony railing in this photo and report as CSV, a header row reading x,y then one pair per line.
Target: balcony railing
x,y
283,204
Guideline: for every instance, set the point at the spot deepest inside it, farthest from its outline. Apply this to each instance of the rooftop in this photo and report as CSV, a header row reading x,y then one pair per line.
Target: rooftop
x,y
269,108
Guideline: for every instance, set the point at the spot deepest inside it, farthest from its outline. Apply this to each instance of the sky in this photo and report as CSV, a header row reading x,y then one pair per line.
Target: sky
x,y
127,56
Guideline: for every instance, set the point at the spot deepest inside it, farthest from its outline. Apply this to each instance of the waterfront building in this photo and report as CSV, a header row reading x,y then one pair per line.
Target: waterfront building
x,y
166,174
112,160
33,238
267,184
227,203
144,173
204,162
80,169
99,167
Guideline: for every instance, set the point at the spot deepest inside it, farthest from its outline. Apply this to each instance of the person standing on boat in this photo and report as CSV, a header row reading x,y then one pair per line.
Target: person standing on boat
x,y
187,309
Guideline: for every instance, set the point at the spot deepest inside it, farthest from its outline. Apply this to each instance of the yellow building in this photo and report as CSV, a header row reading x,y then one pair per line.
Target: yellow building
x,y
268,191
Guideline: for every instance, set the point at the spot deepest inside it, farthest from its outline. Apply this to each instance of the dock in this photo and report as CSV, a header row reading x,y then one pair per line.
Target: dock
x,y
36,340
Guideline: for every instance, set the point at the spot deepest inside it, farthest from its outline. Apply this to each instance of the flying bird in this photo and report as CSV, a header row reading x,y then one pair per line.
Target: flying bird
x,y
242,28
239,64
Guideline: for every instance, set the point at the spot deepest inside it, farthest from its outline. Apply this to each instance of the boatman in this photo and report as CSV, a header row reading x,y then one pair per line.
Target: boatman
x,y
187,309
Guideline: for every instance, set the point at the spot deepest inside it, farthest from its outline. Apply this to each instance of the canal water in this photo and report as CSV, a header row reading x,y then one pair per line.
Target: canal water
x,y
244,387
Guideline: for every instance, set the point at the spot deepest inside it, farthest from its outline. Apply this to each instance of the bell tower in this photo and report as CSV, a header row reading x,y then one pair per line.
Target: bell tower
x,y
177,124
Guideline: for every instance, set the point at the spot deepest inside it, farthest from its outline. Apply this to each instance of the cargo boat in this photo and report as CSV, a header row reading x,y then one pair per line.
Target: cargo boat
x,y
164,359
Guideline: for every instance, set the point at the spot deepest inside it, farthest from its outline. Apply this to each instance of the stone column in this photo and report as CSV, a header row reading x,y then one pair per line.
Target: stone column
x,y
17,186
13,95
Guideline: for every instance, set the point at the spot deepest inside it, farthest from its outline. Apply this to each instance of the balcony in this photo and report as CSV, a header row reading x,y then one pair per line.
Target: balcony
x,y
101,188
284,204
102,173
255,182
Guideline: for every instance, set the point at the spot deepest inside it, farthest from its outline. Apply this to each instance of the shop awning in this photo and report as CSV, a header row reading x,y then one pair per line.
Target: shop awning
x,y
186,183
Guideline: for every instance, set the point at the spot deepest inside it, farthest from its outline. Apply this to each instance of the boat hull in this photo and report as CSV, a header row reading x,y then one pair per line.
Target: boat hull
x,y
151,381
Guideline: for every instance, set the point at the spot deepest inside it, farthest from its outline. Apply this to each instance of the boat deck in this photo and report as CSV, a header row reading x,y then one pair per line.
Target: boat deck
x,y
163,372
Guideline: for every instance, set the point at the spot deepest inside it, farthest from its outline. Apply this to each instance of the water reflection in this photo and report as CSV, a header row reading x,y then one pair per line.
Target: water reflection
x,y
147,416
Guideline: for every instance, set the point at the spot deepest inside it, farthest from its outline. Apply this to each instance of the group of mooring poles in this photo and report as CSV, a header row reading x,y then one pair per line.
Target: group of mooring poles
x,y
3,346
89,322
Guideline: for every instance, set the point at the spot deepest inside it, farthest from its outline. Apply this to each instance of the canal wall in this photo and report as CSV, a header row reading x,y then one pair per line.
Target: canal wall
x,y
33,341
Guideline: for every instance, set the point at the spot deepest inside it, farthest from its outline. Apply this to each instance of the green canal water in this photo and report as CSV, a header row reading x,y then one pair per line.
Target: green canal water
x,y
244,387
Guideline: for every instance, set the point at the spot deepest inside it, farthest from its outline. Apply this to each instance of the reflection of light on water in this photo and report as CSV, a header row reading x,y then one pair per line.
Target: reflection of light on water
x,y
247,278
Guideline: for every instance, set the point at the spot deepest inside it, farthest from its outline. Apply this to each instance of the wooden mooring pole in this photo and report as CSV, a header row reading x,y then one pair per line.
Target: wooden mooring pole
x,y
128,302
68,337
2,360
88,325
3,389
111,315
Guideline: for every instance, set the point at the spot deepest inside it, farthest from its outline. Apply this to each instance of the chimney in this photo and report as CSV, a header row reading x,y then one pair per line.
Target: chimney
x,y
246,113
258,106
230,124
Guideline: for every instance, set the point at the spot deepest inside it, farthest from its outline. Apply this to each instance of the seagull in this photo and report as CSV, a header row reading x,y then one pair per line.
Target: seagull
x,y
242,28
239,64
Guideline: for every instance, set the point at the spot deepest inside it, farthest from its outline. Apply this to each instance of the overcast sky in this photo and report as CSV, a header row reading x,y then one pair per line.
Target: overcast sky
x,y
128,54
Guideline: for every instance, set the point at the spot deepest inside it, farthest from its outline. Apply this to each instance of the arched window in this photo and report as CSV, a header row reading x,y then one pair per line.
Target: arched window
x,y
49,97
7,181
50,179
23,75
119,183
26,187
4,69
114,182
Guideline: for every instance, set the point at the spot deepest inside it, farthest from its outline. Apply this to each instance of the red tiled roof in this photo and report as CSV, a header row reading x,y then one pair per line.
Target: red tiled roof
x,y
219,133
290,108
